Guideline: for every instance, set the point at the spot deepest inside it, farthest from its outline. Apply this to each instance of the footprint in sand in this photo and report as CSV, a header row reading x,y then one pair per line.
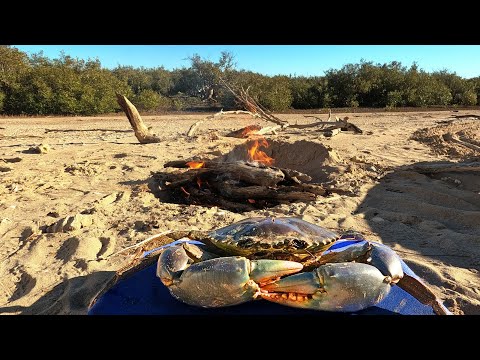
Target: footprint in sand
x,y
23,286
86,249
68,249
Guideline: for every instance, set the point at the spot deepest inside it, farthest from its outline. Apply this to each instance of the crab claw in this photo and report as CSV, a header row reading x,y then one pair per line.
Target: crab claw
x,y
342,287
218,282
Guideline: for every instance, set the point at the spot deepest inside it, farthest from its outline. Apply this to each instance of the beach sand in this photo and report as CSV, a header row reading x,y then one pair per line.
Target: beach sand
x,y
66,212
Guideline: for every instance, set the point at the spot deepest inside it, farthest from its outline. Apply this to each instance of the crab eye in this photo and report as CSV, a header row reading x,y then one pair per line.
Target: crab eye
x,y
299,244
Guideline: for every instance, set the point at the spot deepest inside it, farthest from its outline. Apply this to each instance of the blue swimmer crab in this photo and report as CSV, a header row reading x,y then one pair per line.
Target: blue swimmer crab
x,y
287,261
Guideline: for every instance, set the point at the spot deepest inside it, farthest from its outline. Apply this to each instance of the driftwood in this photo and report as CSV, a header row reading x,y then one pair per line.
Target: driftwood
x,y
287,174
332,132
255,193
244,99
343,125
194,127
476,117
254,130
141,131
257,175
445,167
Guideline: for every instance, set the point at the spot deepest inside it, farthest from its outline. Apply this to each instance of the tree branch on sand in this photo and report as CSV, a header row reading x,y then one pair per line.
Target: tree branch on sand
x,y
142,133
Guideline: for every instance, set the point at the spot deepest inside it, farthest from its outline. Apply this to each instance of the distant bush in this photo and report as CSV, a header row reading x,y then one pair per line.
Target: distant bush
x,y
37,85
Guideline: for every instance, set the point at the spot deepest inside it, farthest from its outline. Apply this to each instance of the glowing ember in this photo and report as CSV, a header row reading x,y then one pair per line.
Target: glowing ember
x,y
254,154
251,201
199,182
195,164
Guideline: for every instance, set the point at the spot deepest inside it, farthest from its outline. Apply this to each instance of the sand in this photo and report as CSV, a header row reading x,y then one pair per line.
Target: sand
x,y
76,190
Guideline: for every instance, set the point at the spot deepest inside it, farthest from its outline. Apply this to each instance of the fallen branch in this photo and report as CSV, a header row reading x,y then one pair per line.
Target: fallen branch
x,y
141,131
251,105
253,130
343,125
195,126
476,117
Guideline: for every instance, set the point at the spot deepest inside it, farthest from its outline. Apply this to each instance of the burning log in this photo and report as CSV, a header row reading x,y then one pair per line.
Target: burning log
x,y
141,131
253,130
242,171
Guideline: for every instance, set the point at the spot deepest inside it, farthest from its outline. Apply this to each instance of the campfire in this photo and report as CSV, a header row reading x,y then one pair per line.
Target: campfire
x,y
239,185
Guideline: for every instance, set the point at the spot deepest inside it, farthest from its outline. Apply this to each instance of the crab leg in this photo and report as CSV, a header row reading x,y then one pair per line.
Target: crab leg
x,y
220,281
331,287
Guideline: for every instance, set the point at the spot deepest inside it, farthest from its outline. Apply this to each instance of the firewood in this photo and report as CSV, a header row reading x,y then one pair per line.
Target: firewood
x,y
294,175
261,192
204,198
312,188
141,131
249,173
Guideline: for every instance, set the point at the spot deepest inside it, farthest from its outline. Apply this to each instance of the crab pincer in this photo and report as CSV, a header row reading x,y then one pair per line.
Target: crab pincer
x,y
218,282
340,287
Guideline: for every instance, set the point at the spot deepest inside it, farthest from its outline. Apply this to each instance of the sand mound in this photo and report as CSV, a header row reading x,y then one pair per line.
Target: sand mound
x,y
458,139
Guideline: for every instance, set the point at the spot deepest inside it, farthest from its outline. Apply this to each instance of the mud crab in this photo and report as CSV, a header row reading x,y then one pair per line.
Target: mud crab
x,y
287,261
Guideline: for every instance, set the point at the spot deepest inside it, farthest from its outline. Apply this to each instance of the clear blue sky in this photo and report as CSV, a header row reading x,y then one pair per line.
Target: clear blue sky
x,y
308,60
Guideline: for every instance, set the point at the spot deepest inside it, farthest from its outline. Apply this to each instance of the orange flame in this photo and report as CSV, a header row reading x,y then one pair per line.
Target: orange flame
x,y
250,130
254,154
195,164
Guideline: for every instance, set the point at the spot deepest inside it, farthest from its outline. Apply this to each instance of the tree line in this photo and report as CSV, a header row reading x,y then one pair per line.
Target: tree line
x,y
37,85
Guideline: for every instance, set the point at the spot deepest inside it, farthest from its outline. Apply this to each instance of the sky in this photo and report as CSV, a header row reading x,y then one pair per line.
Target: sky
x,y
296,60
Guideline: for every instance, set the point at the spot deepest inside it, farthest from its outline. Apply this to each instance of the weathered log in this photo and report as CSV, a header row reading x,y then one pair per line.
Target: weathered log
x,y
311,188
444,167
294,175
476,117
332,132
343,125
181,163
211,199
141,131
249,173
195,126
261,193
